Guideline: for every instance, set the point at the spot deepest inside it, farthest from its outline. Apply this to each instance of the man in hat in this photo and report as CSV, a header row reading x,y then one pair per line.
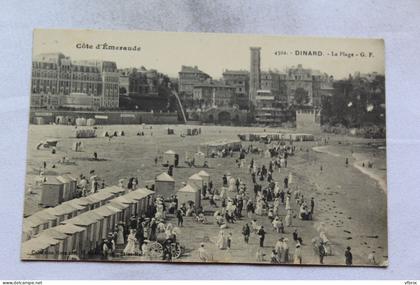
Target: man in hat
x,y
349,256
179,215
261,234
296,237
246,231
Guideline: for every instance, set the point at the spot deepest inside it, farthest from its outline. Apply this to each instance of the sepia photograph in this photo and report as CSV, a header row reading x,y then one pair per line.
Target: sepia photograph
x,y
206,148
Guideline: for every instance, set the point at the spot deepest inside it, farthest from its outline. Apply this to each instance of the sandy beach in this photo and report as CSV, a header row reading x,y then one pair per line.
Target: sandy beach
x,y
349,202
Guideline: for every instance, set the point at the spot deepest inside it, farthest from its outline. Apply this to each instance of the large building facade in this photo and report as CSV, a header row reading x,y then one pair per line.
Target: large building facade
x,y
213,94
239,79
56,79
139,82
275,93
188,78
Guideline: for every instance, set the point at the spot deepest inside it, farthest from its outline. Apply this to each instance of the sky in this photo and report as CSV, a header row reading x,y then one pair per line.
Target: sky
x,y
213,53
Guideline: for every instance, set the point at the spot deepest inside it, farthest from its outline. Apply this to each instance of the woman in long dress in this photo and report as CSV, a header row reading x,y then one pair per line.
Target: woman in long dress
x,y
259,208
276,224
297,256
288,220
288,207
222,241
131,248
285,247
120,235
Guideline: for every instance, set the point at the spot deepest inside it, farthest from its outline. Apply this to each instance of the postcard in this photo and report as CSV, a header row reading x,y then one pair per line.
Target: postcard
x,y
206,148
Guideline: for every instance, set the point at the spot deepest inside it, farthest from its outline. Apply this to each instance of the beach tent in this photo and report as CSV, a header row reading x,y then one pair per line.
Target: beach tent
x,y
73,181
60,120
219,145
76,236
115,190
196,181
33,225
144,197
92,222
204,176
66,194
27,231
302,137
64,211
46,214
189,194
85,133
93,202
40,248
39,121
124,204
199,159
170,157
165,185
52,192
81,122
138,198
109,214
90,122
61,237
101,197
81,206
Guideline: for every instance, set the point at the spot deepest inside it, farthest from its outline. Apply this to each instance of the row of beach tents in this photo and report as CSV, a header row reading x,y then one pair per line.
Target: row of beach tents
x,y
276,136
79,225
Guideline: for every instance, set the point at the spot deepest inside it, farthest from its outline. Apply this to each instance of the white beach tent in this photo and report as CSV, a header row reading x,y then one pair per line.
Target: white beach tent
x,y
40,248
81,122
142,197
61,237
169,157
204,176
90,122
124,204
76,235
46,214
199,158
109,215
92,222
164,185
189,193
196,181
116,190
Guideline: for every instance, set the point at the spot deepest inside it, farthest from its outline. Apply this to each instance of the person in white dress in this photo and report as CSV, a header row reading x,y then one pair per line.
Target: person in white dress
x,y
120,235
222,240
288,220
131,247
297,256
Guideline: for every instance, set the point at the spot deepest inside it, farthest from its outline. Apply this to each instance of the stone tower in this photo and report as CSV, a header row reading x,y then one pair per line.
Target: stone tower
x,y
255,73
